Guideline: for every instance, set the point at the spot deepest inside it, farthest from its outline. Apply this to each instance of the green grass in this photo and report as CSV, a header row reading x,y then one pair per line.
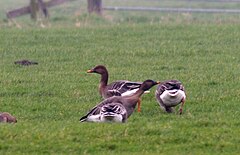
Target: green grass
x,y
48,99
201,50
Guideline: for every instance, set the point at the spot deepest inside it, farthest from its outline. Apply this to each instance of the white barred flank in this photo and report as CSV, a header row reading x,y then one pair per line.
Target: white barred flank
x,y
112,118
112,112
118,118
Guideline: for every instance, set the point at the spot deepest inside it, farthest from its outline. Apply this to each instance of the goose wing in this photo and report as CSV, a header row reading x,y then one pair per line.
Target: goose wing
x,y
119,87
169,85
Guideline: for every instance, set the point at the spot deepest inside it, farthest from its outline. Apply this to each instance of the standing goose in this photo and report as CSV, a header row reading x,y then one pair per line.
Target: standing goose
x,y
117,88
169,94
117,108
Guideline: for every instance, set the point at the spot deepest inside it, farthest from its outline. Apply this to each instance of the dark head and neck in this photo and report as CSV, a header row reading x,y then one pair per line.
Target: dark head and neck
x,y
100,69
146,85
134,99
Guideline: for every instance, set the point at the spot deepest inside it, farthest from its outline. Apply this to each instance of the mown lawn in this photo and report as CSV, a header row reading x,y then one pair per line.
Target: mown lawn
x,y
48,99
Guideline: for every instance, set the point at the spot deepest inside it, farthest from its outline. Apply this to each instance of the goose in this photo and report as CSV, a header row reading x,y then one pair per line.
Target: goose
x,y
6,117
117,88
25,62
117,108
169,94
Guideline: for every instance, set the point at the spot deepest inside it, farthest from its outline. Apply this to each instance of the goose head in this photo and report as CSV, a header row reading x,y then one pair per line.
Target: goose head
x,y
147,84
99,69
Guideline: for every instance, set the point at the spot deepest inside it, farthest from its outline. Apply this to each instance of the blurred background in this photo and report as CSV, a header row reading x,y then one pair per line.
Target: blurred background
x,y
76,13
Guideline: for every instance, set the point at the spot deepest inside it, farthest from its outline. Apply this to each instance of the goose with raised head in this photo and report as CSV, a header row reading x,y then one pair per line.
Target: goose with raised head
x,y
117,108
117,88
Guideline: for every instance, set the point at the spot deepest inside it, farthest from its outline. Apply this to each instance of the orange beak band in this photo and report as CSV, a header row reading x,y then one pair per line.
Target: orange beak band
x,y
139,105
89,71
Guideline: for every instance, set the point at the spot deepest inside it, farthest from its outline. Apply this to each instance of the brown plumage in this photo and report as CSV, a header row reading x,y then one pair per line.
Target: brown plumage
x,y
117,88
128,102
5,117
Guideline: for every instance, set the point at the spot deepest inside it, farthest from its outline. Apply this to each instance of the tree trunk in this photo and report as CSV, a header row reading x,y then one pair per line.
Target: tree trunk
x,y
95,6
43,7
33,9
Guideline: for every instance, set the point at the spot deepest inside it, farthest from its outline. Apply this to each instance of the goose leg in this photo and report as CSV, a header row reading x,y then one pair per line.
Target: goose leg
x,y
163,106
181,108
169,109
139,105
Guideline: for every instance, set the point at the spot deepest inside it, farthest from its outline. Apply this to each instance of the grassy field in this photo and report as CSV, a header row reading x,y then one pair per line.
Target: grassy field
x,y
48,99
201,50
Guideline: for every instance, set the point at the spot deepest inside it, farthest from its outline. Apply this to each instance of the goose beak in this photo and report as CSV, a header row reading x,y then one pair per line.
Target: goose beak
x,y
89,71
158,82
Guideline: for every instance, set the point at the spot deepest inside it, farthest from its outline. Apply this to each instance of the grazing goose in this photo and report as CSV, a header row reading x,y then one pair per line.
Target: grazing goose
x,y
117,108
169,94
5,117
117,88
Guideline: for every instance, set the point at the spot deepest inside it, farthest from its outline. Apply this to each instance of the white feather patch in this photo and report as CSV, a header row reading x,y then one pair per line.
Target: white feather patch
x,y
111,118
130,92
172,97
94,118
